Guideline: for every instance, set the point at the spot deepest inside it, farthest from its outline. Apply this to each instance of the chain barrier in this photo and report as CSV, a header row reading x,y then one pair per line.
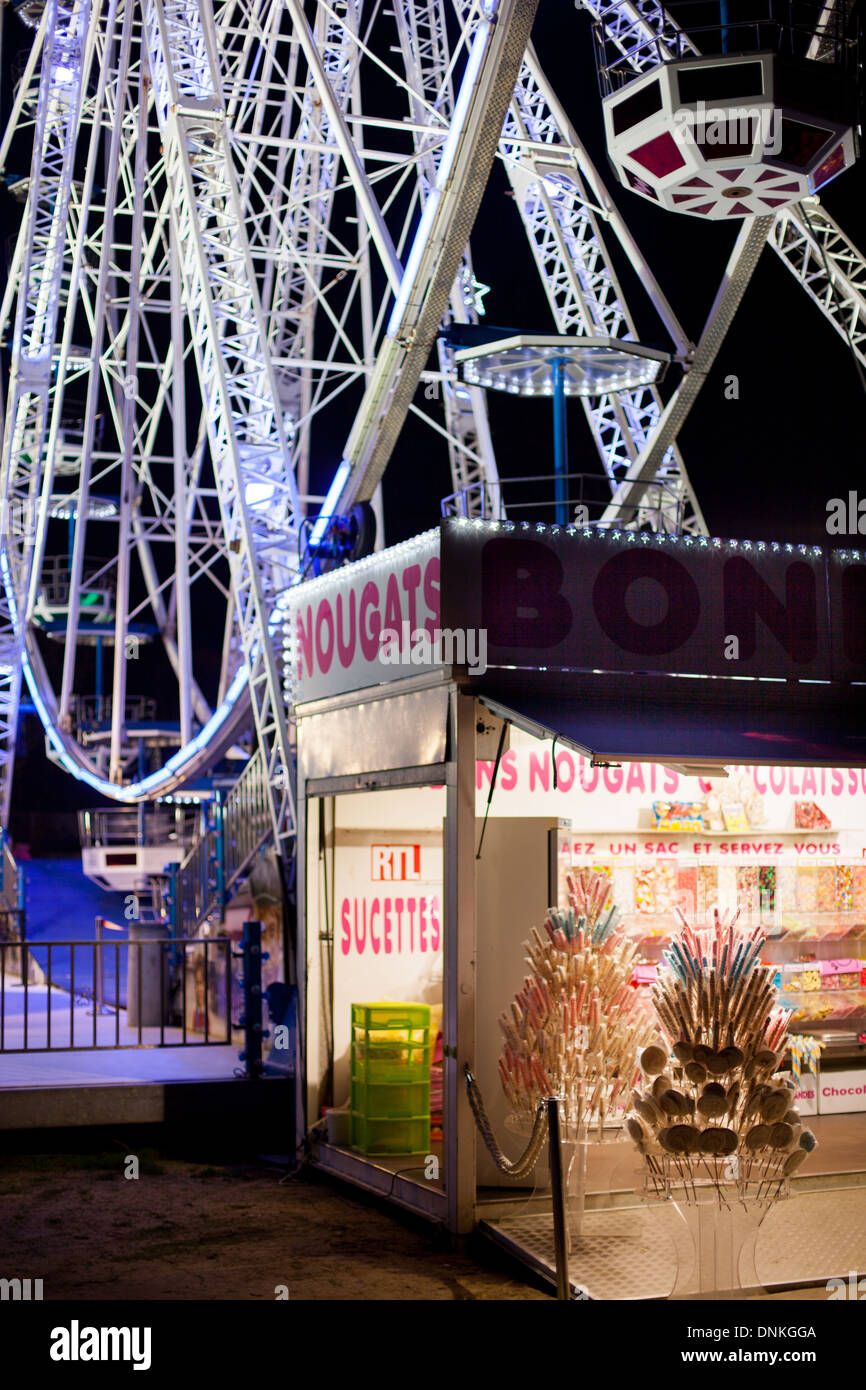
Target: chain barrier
x,y
522,1166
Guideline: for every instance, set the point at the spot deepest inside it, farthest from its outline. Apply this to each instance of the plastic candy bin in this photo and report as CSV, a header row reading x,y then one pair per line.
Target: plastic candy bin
x,y
391,1078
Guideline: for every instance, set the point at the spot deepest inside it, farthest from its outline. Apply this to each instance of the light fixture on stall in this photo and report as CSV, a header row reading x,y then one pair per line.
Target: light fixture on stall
x,y
706,770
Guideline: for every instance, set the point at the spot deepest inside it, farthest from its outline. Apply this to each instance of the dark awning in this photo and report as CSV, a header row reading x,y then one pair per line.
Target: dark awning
x,y
682,720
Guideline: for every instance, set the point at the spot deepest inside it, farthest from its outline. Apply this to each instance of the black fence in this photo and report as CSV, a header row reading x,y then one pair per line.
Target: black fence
x,y
179,993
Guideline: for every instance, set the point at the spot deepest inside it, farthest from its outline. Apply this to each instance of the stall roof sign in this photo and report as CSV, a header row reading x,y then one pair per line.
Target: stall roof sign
x,y
551,599
572,599
359,626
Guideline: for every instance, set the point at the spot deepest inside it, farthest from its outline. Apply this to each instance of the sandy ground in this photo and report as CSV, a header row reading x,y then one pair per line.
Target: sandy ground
x,y
183,1231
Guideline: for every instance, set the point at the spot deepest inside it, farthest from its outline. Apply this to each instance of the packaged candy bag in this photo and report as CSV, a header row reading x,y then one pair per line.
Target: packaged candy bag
x,y
679,815
809,816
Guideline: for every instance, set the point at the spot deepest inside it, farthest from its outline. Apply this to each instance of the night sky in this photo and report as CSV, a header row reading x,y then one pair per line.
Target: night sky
x,y
763,466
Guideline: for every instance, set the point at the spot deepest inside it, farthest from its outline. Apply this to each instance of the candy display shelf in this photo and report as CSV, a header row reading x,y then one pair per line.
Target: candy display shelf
x,y
656,930
806,993
821,1009
711,834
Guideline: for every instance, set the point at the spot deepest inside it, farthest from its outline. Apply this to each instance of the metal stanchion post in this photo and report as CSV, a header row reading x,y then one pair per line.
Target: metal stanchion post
x,y
97,992
557,1183
251,1020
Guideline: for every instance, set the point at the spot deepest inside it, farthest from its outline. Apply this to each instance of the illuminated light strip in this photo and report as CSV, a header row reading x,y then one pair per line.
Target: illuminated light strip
x,y
329,505
137,791
465,97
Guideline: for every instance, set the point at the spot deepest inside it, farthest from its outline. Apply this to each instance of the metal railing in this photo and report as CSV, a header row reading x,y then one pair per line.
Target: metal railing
x,y
54,1017
13,916
133,825
246,817
678,29
90,710
239,826
533,498
193,888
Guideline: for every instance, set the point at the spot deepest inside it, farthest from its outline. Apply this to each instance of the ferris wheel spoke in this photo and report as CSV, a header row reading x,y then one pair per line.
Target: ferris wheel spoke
x,y
341,134
102,320
424,42
830,268
237,379
67,47
27,90
127,498
293,236
440,241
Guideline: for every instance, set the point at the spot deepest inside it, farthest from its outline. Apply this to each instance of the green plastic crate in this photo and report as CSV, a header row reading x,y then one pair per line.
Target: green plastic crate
x,y
404,1062
371,1017
410,1135
390,1042
391,1100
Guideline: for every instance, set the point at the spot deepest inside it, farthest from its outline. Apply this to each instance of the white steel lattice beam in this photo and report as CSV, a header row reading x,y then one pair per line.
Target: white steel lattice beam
x,y
498,43
639,33
828,265
738,272
300,236
423,35
248,446
555,187
64,62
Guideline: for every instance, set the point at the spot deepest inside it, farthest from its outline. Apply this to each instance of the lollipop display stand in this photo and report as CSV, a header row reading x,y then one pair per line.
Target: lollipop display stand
x,y
717,1228
722,1248
715,1120
707,1102
575,1151
575,1189
576,1027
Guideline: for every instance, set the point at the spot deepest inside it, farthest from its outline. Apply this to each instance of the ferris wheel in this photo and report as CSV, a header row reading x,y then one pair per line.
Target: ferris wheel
x,y
242,219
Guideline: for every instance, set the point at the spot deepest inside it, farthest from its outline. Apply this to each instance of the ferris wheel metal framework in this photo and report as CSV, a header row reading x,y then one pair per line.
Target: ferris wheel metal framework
x,y
225,232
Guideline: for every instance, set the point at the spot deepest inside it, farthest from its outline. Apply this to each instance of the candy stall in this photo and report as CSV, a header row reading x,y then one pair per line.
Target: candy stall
x,y
523,765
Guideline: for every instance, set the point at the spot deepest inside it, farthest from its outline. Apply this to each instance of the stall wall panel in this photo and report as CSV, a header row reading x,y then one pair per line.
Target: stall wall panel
x,y
316,916
356,626
387,924
421,807
842,1092
512,887
405,731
